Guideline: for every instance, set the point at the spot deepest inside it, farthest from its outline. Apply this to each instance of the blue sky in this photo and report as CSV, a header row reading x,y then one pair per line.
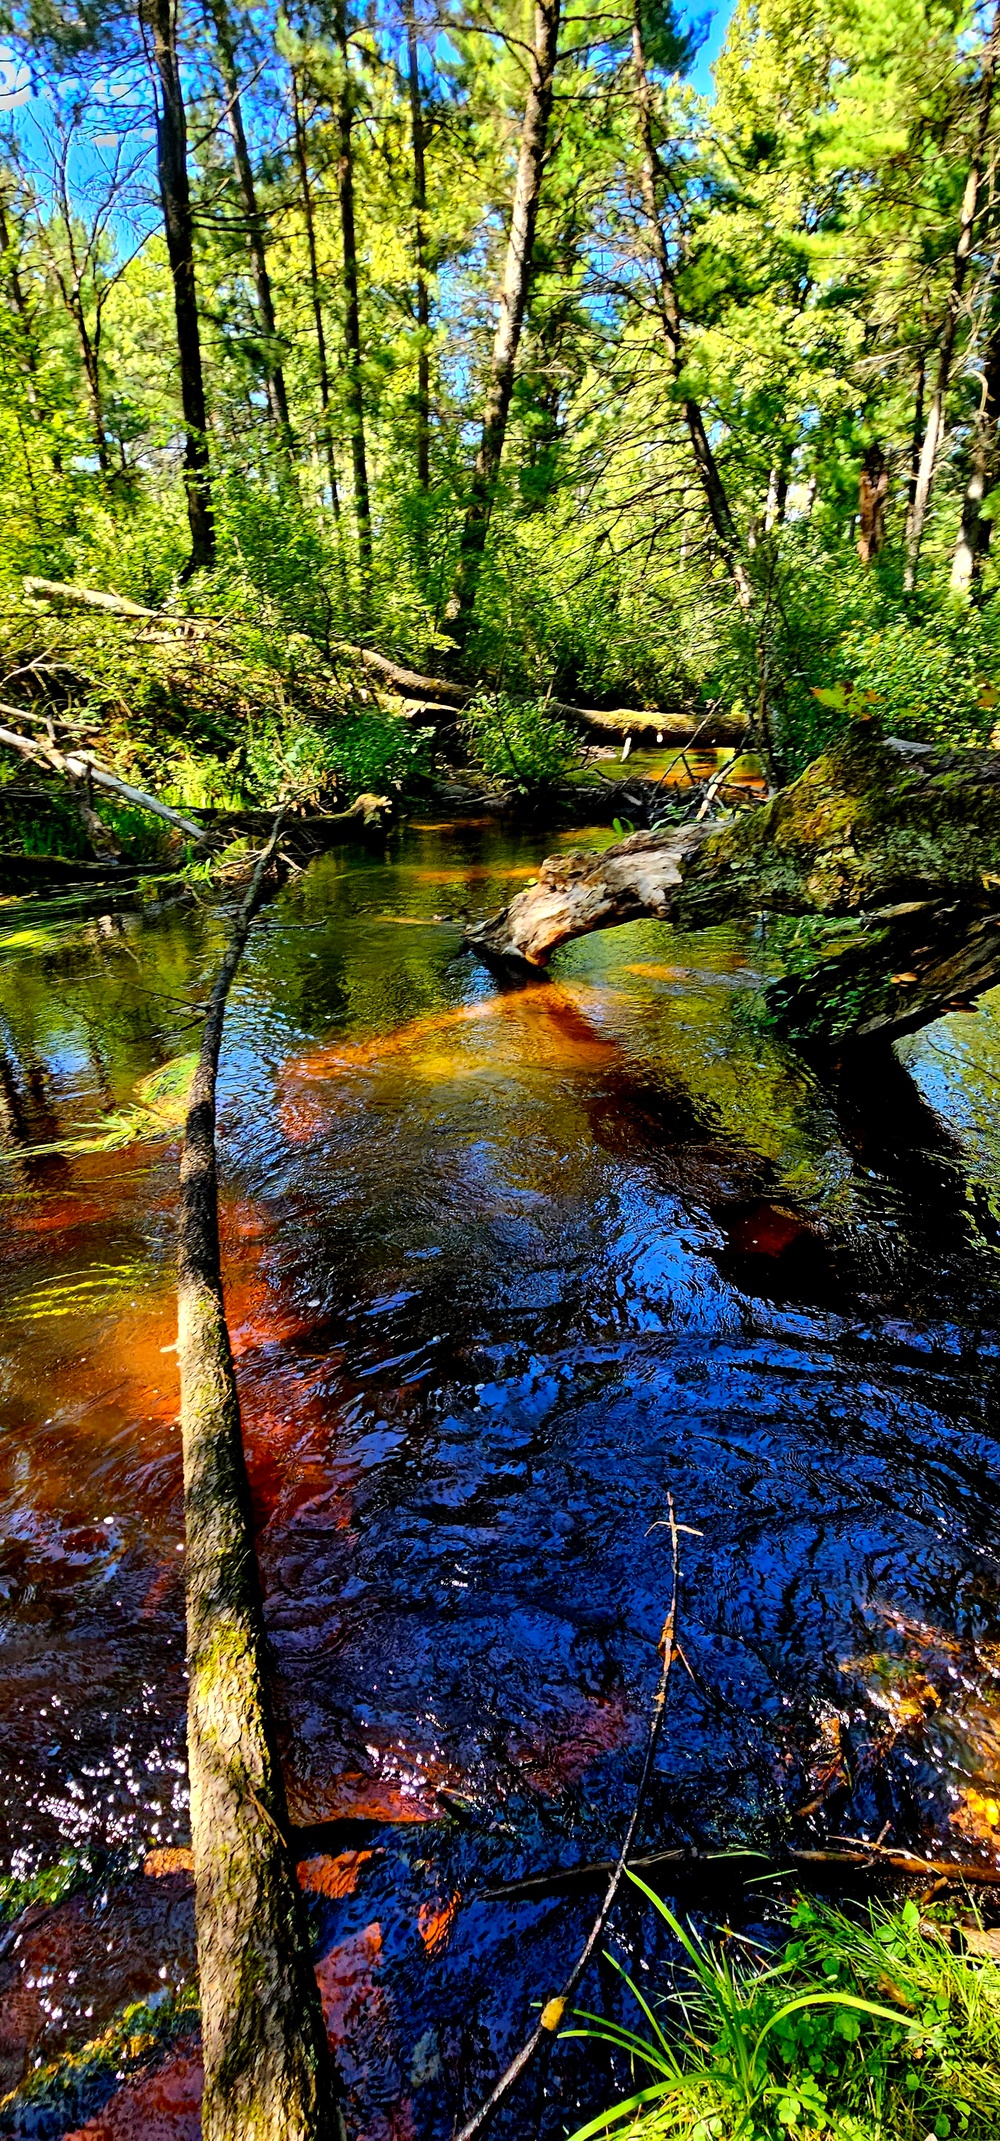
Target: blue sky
x,y
701,72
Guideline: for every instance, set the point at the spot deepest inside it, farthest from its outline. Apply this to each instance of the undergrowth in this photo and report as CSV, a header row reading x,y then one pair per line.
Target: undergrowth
x,y
866,2026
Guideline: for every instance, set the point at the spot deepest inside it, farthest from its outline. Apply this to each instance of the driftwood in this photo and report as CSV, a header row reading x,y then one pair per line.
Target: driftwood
x,y
855,1855
889,851
268,2073
648,729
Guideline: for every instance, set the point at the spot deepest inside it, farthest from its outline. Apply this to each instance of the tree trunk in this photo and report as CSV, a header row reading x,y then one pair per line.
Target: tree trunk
x,y
777,495
873,492
268,2075
20,306
419,236
719,511
352,316
159,20
305,188
91,372
894,846
984,465
513,300
960,263
276,394
916,446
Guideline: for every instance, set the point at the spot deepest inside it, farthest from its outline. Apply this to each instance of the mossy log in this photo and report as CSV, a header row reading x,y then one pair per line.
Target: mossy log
x,y
895,847
268,2072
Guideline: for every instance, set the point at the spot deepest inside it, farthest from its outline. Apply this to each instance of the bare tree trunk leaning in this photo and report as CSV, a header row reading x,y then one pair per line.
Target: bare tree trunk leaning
x,y
719,510
276,392
268,2073
971,202
916,445
159,19
352,315
513,300
80,766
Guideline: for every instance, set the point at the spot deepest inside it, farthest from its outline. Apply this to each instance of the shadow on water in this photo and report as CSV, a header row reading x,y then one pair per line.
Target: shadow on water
x,y
503,1269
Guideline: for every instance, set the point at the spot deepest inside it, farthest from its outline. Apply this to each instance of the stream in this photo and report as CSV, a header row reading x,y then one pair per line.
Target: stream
x,y
505,1269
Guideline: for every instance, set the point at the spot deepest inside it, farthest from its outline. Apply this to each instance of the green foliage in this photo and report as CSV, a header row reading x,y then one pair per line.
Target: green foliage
x,y
67,2091
864,2028
48,1885
158,1110
516,742
362,752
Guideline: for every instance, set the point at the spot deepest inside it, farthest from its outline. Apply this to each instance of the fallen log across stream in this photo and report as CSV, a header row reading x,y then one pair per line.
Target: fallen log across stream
x,y
888,852
268,2072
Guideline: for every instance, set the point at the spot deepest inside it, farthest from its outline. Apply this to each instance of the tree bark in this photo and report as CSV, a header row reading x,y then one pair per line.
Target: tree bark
x,y
305,188
716,499
159,20
276,392
984,466
777,495
419,245
971,201
268,2074
873,492
352,315
513,300
892,845
916,445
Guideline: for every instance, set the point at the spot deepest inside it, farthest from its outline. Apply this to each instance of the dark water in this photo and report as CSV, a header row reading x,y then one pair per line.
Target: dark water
x,y
505,1270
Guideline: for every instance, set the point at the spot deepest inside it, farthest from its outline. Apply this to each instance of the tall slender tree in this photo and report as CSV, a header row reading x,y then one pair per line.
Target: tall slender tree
x,y
976,526
315,293
273,369
513,301
417,132
714,490
352,310
159,23
970,210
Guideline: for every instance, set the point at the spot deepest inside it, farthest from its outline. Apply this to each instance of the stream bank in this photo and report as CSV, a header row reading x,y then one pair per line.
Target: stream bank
x,y
502,1270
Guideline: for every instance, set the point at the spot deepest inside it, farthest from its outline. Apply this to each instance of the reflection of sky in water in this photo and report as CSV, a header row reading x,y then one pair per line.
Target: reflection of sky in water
x,y
502,1269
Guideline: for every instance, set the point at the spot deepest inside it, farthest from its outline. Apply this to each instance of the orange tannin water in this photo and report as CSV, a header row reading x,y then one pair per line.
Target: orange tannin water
x,y
504,1268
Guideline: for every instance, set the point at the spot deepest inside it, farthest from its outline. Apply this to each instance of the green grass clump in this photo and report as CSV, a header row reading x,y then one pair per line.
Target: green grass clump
x,y
865,2028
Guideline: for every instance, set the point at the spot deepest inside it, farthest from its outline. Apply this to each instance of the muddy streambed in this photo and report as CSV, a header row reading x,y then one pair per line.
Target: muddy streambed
x,y
503,1269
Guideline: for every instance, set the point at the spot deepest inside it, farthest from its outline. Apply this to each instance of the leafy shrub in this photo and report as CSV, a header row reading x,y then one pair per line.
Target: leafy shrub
x,y
516,740
361,751
865,2028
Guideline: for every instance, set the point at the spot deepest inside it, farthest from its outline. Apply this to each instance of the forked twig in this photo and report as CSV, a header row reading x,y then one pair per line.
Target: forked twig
x,y
554,2009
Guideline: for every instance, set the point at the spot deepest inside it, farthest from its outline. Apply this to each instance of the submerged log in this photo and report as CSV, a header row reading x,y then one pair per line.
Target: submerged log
x,y
892,848
268,2073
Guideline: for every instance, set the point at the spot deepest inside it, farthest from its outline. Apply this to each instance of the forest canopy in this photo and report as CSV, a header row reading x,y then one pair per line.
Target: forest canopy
x,y
477,335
